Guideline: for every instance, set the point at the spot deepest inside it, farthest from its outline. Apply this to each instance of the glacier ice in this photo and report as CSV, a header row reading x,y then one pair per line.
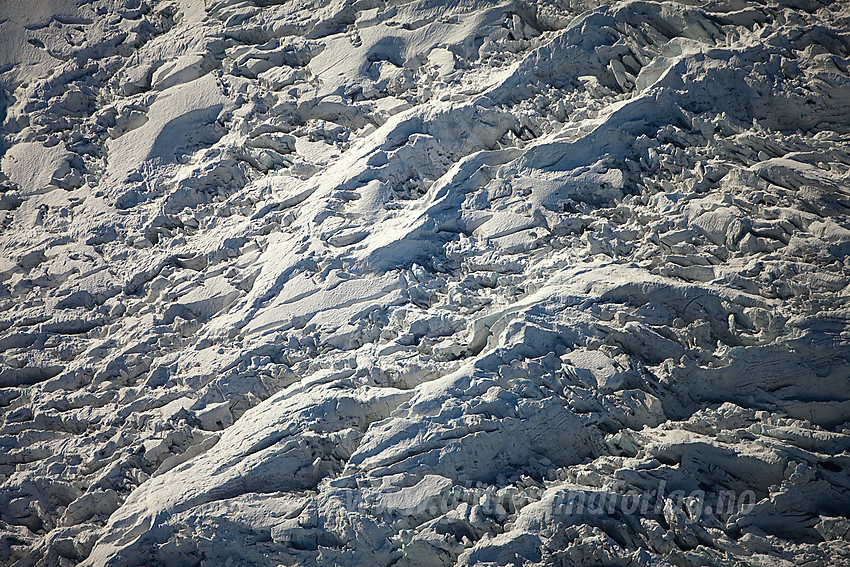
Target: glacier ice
x,y
513,282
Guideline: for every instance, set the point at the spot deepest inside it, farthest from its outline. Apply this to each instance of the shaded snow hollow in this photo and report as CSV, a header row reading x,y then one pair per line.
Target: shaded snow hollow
x,y
424,283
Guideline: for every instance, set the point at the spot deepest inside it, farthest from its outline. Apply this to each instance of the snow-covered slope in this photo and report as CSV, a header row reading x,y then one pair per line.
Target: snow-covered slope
x,y
424,282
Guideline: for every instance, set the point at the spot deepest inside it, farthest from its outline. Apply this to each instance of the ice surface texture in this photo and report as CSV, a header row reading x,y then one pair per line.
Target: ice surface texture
x,y
424,283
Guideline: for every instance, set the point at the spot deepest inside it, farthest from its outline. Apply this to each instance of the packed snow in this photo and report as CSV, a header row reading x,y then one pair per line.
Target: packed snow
x,y
424,283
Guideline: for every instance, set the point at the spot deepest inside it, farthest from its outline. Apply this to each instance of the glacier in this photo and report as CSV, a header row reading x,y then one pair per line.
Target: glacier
x,y
424,283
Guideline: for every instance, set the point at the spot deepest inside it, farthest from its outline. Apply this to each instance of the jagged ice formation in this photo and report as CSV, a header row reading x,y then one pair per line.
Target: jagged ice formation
x,y
369,282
